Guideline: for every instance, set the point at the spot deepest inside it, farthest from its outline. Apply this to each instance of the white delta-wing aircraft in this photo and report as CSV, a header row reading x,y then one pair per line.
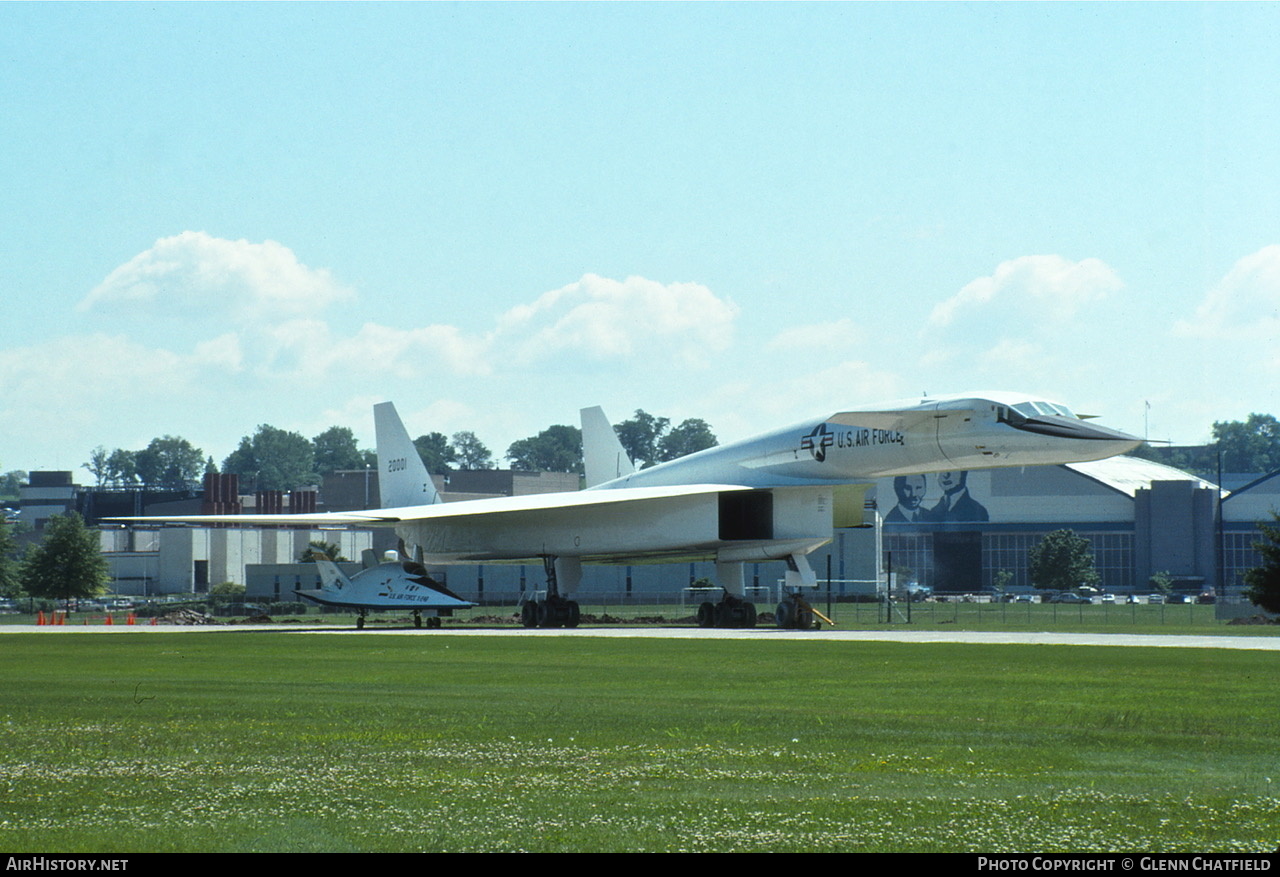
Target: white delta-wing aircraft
x,y
394,584
777,496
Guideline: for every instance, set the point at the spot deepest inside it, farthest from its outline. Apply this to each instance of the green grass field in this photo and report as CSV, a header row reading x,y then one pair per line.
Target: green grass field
x,y
267,741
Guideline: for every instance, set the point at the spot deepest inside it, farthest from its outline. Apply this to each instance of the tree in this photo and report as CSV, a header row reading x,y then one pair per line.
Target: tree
x,y
640,435
471,452
1062,561
116,468
649,440
229,590
10,482
97,465
327,550
68,564
274,459
10,583
555,449
170,463
335,449
689,437
1262,583
436,452
122,468
1252,446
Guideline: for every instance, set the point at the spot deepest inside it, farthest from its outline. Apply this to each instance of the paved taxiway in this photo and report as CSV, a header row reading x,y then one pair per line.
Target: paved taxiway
x,y
1256,643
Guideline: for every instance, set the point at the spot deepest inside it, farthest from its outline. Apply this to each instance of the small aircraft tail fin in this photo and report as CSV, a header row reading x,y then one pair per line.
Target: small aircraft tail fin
x,y
603,457
402,478
332,579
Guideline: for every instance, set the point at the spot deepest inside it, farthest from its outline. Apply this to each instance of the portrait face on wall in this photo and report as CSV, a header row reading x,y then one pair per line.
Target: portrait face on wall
x,y
910,490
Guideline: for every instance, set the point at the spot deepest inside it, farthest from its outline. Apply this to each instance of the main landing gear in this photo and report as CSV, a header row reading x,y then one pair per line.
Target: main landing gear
x,y
731,611
551,612
432,622
795,613
554,610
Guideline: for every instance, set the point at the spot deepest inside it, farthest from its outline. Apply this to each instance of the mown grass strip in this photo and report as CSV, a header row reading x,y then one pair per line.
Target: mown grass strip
x,y
258,741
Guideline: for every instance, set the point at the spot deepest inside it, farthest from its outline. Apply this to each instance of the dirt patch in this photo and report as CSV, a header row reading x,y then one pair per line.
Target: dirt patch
x,y
186,617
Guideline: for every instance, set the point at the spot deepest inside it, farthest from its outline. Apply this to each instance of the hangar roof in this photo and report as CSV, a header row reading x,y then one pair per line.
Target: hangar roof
x,y
1128,474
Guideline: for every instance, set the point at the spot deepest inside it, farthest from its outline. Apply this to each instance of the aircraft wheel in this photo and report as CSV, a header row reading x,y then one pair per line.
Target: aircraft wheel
x,y
783,614
575,614
707,615
434,622
750,615
360,622
417,620
546,614
805,619
529,614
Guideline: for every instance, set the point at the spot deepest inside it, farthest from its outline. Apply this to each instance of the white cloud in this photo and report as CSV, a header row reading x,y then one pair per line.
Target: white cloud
x,y
313,347
1011,355
818,336
239,280
267,352
275,305
752,405
633,321
1048,281
612,319
1244,305
64,391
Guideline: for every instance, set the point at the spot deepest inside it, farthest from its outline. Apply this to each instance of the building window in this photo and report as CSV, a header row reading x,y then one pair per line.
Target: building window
x,y
911,556
1112,557
1239,556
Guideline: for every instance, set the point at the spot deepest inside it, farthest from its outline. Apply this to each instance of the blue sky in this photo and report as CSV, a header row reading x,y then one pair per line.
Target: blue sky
x,y
221,215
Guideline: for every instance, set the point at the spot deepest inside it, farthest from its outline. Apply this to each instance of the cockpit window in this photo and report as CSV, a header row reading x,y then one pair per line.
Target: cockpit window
x,y
1038,409
1010,416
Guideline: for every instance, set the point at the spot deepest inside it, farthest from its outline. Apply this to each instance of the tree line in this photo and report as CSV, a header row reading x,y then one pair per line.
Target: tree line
x,y
1251,445
277,459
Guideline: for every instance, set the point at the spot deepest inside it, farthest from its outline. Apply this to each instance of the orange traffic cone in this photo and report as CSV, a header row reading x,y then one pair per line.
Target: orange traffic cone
x,y
108,621
40,618
133,619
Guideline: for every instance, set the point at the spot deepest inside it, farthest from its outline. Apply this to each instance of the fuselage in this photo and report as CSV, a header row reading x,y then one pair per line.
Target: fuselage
x,y
952,433
768,497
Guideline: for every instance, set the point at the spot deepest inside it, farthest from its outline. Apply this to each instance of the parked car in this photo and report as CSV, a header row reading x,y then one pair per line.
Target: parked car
x,y
1108,598
1155,599
1068,597
1207,596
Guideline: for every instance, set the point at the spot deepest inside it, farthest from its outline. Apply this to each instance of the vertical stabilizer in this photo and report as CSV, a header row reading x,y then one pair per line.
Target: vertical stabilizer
x,y
332,579
603,457
402,478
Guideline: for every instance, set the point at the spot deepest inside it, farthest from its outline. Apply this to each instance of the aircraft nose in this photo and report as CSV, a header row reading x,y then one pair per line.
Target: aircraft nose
x,y
1072,428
